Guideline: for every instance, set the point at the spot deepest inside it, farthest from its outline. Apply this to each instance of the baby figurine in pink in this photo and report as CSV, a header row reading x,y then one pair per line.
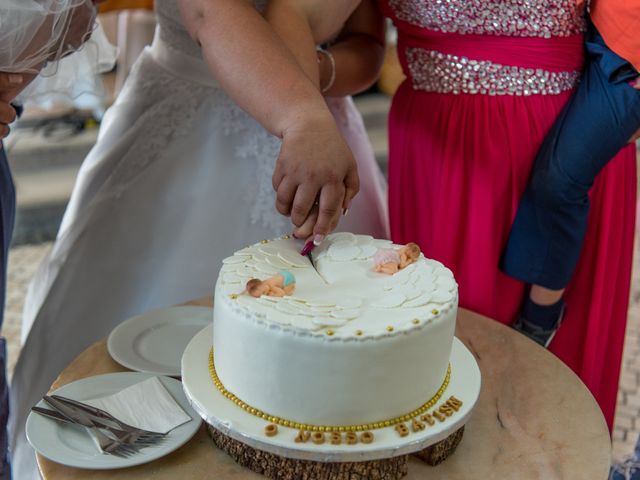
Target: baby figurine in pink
x,y
390,261
284,283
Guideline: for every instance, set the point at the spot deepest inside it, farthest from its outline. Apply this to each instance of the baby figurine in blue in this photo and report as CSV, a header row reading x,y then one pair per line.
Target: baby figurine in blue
x,y
602,116
284,283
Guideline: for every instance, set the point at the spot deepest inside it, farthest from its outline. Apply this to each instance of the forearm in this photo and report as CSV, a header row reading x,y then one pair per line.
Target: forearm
x,y
358,52
252,64
358,59
291,23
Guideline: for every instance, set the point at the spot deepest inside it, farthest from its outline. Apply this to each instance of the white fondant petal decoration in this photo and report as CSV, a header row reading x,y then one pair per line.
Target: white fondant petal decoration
x,y
230,288
447,283
294,259
343,237
412,292
364,239
273,316
275,262
367,251
267,251
434,264
346,254
382,243
389,301
443,272
441,296
316,303
341,284
347,303
235,259
419,301
287,308
258,257
267,299
346,314
328,321
305,323
231,277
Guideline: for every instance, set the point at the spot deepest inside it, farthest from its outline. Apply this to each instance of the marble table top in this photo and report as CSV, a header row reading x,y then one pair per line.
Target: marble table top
x,y
534,420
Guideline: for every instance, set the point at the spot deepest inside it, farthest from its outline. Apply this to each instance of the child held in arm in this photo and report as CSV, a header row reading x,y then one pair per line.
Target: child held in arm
x,y
602,116
352,32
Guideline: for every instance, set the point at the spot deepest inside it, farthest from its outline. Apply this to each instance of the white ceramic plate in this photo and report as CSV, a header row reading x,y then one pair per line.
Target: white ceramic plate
x,y
233,421
73,446
154,341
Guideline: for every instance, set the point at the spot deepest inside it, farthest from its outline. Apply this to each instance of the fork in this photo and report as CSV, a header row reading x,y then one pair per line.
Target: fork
x,y
103,415
121,435
106,443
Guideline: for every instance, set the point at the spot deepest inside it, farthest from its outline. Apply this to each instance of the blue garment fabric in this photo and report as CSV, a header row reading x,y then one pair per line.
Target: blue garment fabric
x,y
548,231
7,218
288,278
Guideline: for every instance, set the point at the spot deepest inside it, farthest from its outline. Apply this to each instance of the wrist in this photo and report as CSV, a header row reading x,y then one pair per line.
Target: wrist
x,y
307,116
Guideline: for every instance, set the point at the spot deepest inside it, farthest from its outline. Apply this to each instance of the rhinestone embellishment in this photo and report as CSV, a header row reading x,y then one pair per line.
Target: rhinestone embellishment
x,y
433,71
521,18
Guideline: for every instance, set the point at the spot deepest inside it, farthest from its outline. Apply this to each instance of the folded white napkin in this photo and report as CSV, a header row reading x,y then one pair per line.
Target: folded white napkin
x,y
145,405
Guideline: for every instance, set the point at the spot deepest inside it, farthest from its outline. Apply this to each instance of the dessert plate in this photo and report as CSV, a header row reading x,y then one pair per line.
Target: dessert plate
x,y
230,419
72,445
154,341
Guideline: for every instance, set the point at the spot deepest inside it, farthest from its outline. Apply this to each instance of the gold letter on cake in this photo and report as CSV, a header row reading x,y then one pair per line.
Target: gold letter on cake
x,y
417,426
302,436
402,430
366,437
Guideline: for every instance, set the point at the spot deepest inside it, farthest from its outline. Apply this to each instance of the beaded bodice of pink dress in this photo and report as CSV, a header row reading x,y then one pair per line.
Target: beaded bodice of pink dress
x,y
485,80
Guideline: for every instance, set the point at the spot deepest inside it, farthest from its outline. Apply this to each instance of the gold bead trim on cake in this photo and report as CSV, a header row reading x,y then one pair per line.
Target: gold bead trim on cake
x,y
326,428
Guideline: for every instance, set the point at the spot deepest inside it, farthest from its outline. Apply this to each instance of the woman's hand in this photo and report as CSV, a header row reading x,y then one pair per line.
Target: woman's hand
x,y
7,115
315,169
9,84
262,76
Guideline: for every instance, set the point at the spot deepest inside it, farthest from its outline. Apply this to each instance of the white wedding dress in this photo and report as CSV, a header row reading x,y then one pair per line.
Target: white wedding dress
x,y
179,179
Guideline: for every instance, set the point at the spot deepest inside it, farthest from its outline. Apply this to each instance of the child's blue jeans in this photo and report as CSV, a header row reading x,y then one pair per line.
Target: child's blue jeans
x,y
603,113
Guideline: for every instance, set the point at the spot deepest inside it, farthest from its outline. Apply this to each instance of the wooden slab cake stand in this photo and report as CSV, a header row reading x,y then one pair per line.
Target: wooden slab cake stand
x,y
280,450
534,419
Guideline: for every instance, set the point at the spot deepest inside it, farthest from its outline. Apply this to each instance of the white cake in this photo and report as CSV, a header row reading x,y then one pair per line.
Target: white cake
x,y
349,347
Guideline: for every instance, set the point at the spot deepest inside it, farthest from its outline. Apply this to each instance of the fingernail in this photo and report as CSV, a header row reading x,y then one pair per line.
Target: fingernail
x,y
318,239
293,234
345,211
14,79
306,250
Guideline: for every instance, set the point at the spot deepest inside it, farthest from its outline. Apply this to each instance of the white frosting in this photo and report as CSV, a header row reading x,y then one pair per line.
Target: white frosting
x,y
350,346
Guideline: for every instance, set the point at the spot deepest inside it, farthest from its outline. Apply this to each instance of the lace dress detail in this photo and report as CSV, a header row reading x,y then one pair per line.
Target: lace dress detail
x,y
173,103
520,18
172,30
170,106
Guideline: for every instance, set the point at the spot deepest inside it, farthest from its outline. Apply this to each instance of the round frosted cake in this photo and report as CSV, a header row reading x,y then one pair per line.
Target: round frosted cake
x,y
349,346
